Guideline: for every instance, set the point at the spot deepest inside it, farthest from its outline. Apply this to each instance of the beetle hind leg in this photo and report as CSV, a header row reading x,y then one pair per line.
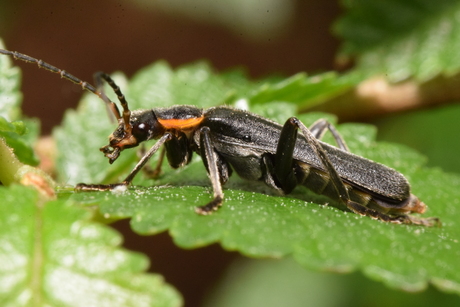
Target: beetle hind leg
x,y
363,210
339,186
280,169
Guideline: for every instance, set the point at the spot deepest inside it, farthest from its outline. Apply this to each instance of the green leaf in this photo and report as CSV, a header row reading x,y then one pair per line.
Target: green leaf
x,y
301,90
53,255
20,136
402,39
319,237
257,224
440,143
196,84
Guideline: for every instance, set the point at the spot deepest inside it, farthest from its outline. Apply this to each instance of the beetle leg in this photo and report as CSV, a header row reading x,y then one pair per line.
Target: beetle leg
x,y
283,162
130,177
321,126
269,176
178,151
338,183
283,168
210,160
150,172
399,219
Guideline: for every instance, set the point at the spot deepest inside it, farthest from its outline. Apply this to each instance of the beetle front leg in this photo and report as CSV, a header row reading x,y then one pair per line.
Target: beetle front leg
x,y
83,187
210,161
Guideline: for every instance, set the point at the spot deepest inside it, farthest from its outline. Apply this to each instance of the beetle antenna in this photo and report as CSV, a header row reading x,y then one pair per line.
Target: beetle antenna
x,y
99,76
85,85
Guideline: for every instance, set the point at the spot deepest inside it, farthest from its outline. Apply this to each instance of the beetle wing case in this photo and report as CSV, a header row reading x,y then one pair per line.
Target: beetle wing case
x,y
239,133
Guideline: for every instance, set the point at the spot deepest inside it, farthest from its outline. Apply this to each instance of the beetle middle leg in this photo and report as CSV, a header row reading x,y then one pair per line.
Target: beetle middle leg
x,y
285,174
150,172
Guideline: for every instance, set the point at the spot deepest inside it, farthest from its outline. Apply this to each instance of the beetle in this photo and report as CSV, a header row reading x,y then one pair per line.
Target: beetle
x,y
256,148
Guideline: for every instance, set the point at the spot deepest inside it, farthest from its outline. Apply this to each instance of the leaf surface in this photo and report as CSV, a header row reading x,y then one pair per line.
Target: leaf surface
x,y
261,225
53,255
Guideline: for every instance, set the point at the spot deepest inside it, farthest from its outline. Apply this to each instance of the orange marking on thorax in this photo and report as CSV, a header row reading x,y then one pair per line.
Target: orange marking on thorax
x,y
181,124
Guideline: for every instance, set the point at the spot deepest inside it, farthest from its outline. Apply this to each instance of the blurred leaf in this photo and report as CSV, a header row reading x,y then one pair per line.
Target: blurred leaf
x,y
15,127
17,134
249,17
401,38
52,255
434,132
302,90
268,283
196,84
20,136
10,96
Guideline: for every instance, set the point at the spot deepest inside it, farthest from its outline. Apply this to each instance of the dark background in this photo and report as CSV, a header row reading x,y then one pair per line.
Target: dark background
x,y
84,36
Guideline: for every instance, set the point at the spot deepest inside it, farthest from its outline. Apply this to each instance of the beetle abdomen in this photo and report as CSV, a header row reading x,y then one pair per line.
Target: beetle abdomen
x,y
320,182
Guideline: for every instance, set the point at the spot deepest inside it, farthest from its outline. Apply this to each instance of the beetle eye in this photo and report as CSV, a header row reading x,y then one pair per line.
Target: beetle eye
x,y
141,131
247,138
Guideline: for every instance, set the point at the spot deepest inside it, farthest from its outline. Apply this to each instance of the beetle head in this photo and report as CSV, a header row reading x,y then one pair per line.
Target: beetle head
x,y
142,126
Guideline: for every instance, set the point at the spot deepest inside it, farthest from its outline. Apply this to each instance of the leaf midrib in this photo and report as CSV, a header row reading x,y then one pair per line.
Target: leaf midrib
x,y
36,278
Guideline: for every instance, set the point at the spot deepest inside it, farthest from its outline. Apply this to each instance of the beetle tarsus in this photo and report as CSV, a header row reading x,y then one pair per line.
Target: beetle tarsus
x,y
83,187
210,207
429,221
